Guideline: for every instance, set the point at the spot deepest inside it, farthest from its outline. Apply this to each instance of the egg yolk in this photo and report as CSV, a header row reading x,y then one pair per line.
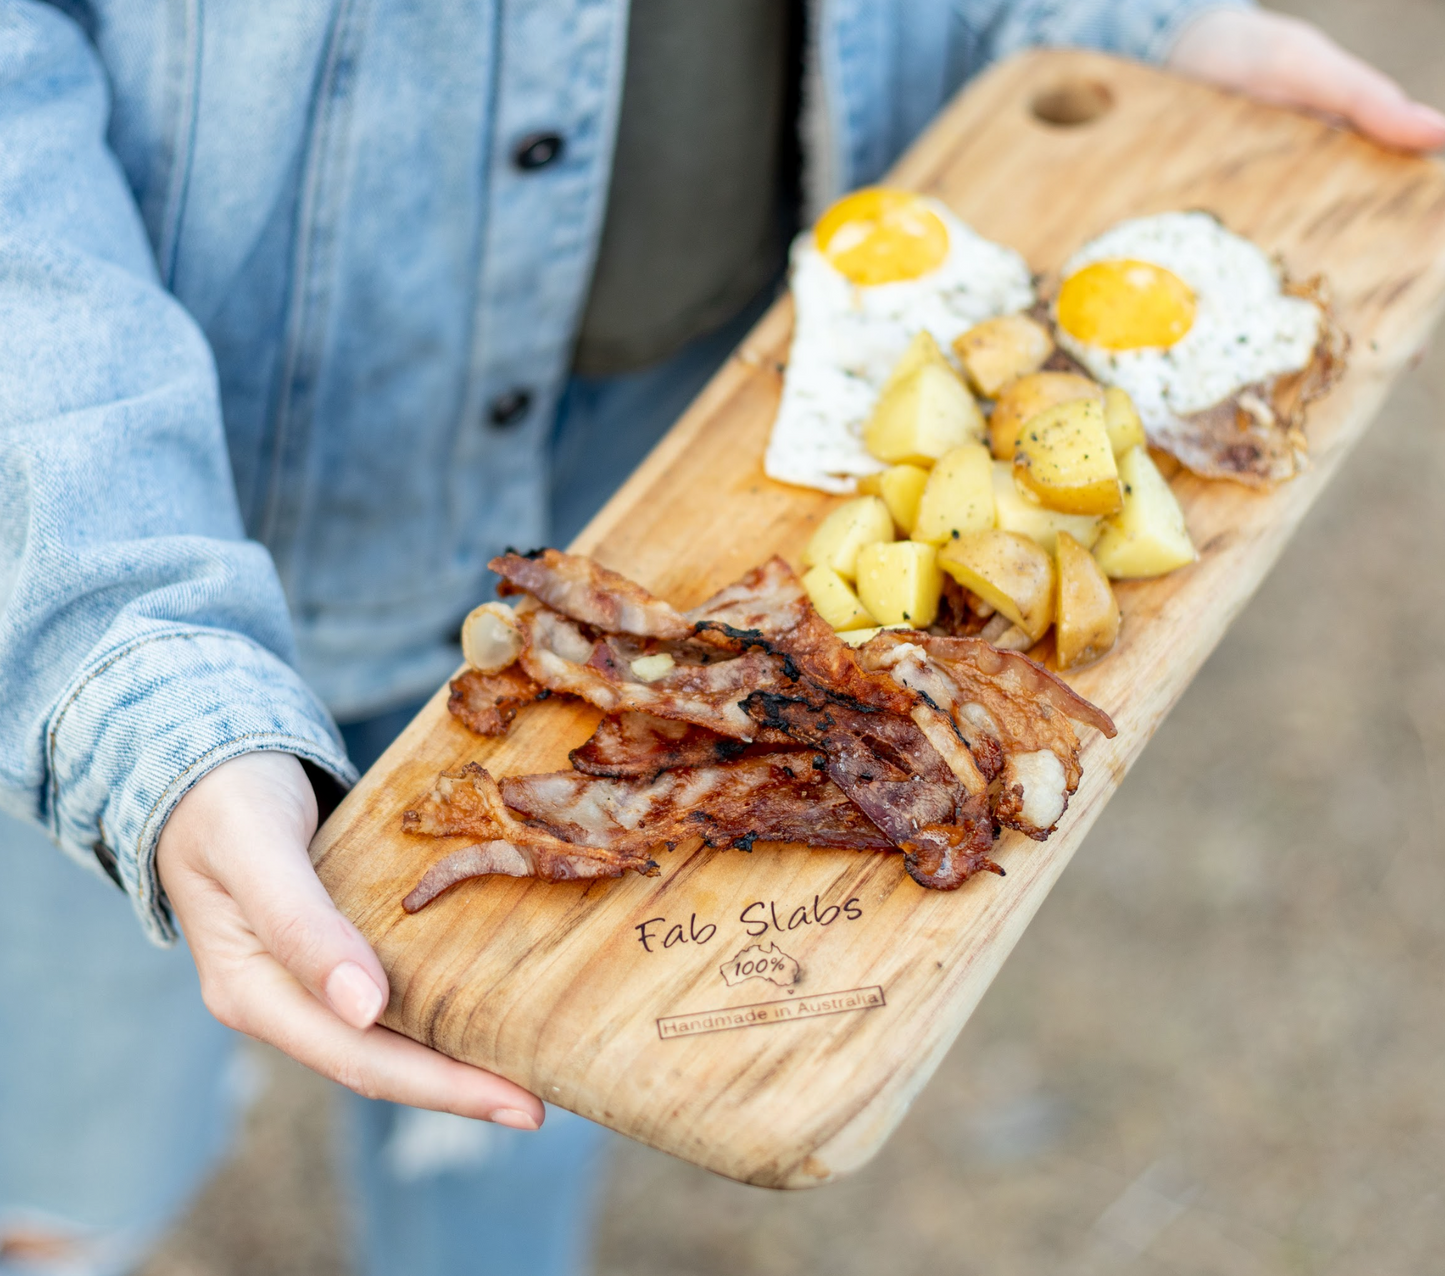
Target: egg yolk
x,y
880,236
1125,305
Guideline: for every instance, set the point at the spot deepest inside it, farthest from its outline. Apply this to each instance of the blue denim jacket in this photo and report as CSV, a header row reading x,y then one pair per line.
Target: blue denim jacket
x,y
283,324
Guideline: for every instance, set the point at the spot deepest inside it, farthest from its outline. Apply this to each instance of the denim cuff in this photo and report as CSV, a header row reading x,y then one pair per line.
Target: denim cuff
x,y
140,726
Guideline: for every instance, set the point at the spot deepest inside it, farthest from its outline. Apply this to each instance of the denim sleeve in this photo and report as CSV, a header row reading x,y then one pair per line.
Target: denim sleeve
x,y
143,639
1144,29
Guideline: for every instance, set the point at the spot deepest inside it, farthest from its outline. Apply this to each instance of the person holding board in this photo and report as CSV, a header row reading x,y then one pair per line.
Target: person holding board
x,y
305,314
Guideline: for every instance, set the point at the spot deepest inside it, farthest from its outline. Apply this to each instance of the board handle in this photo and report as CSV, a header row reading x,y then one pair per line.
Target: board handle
x,y
1071,102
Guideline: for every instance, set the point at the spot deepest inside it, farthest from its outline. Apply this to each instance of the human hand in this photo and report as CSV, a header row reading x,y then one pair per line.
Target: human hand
x,y
276,959
1285,61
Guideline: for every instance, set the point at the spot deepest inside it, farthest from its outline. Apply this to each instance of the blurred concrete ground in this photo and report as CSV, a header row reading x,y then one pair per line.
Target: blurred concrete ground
x,y
1218,1050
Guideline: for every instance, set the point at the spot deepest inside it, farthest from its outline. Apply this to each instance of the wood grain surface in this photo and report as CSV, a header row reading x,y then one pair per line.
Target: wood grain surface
x,y
789,1085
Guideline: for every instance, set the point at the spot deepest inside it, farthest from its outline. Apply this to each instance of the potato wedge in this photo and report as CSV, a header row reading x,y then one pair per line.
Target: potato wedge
x,y
847,529
921,350
1017,511
1007,570
835,600
1086,613
1063,457
901,487
1121,420
919,418
900,583
998,350
959,496
1027,397
1148,537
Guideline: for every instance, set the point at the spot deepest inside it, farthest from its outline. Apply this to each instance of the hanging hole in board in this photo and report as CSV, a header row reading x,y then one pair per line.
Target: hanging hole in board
x,y
1071,102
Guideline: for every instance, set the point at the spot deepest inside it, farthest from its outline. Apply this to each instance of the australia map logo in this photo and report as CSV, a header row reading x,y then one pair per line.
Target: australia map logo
x,y
757,962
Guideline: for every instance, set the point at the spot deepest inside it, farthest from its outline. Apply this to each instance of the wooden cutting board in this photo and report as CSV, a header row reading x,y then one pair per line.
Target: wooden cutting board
x,y
772,1015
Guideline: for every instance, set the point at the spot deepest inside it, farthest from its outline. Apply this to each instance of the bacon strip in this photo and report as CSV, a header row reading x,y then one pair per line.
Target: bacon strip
x,y
633,745
487,703
886,765
505,859
769,600
779,797
1014,713
591,593
561,658
468,803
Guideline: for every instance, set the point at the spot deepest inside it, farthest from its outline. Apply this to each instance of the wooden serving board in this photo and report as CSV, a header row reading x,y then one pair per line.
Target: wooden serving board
x,y
634,1002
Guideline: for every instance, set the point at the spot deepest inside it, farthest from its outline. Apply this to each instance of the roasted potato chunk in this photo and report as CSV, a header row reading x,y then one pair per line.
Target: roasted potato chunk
x,y
900,583
921,350
1121,420
1017,511
1063,457
998,350
959,496
901,487
1086,613
1027,397
1148,537
835,600
922,416
847,529
1007,570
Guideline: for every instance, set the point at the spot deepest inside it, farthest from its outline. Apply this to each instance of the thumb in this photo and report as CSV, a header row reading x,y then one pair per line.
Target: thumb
x,y
281,898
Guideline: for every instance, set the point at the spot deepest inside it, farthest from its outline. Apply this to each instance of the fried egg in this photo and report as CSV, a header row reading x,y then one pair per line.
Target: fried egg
x,y
1181,313
880,266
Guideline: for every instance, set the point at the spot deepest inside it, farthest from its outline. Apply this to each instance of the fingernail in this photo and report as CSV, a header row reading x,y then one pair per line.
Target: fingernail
x,y
353,994
514,1118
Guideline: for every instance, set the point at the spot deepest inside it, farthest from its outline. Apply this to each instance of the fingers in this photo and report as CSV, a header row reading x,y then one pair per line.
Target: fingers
x,y
1306,68
1283,60
239,837
276,959
263,1001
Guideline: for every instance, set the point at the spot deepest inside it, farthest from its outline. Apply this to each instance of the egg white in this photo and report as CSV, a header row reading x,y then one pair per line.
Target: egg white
x,y
847,337
1245,329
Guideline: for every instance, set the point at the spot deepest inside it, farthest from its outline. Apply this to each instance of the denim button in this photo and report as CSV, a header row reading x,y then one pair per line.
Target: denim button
x,y
537,150
509,408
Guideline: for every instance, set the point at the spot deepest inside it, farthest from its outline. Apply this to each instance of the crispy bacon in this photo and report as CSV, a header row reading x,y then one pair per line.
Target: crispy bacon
x,y
503,859
487,703
764,726
561,658
634,745
778,797
887,766
1014,713
769,600
468,803
586,591
785,623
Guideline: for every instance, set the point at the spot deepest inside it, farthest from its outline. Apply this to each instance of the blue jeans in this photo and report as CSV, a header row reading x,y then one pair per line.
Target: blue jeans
x,y
117,1090
119,1095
